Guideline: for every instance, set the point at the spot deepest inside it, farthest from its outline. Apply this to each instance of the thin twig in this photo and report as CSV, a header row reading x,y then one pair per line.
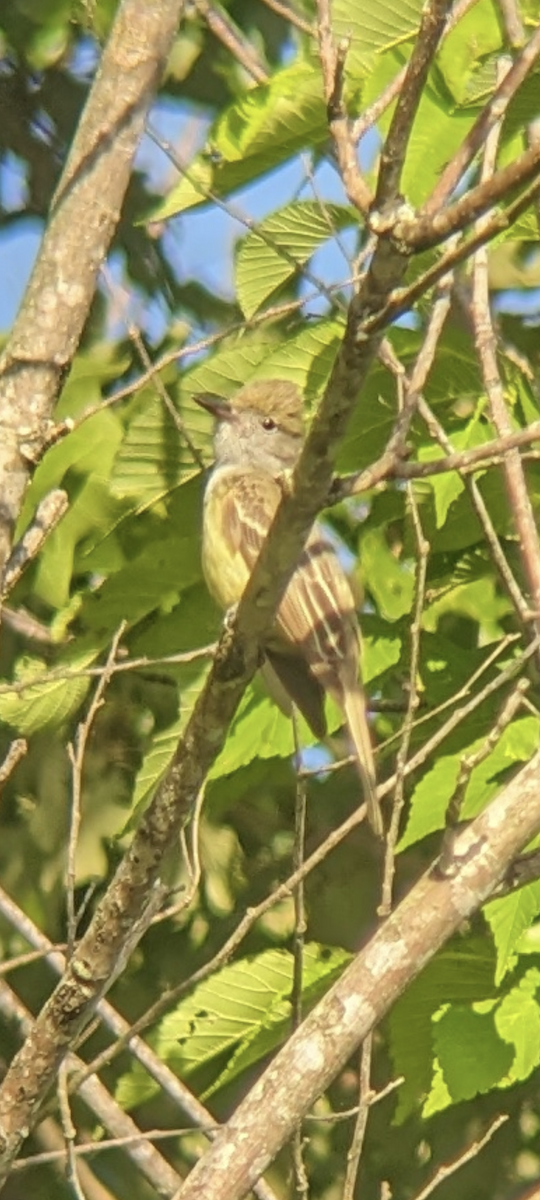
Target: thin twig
x,y
13,757
230,36
146,361
332,60
511,19
354,1153
506,575
485,339
300,926
191,857
90,1149
250,225
143,1155
471,1152
133,664
285,890
427,231
392,158
491,115
403,299
85,1082
398,799
69,1132
283,10
77,751
49,512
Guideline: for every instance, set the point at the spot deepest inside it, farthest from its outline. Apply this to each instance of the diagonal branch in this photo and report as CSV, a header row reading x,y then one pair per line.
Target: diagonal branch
x,y
491,115
514,476
429,231
433,910
393,153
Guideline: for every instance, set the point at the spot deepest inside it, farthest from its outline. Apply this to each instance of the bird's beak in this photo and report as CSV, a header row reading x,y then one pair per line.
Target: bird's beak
x,y
216,405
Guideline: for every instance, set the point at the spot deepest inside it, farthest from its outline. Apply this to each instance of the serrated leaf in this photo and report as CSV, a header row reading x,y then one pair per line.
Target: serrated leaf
x,y
155,455
461,56
243,1010
46,703
472,1056
272,254
508,919
373,28
430,800
432,795
518,1022
265,127
166,566
462,972
306,358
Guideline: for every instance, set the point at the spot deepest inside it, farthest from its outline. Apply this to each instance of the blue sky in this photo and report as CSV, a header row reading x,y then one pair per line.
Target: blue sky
x,y
199,244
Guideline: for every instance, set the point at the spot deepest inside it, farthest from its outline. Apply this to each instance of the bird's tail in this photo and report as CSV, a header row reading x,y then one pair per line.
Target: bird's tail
x,y
355,712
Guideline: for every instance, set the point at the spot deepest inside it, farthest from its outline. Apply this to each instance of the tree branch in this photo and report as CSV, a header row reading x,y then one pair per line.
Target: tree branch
x,y
435,907
491,115
434,18
84,215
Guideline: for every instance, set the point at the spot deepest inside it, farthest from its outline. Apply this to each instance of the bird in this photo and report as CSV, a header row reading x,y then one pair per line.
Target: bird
x,y
313,647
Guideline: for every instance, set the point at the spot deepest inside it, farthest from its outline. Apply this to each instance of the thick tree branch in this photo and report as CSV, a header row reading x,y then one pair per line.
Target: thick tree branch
x,y
436,906
84,215
149,1161
82,1075
96,958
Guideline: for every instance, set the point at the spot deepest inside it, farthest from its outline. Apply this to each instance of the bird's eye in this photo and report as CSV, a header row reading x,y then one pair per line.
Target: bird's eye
x,y
268,423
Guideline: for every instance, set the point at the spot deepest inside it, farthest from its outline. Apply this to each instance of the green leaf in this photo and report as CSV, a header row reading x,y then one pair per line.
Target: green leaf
x,y
306,358
372,29
273,253
243,1011
89,449
390,581
508,919
461,972
446,488
155,456
472,1055
155,576
265,127
46,704
432,795
461,56
518,1022
488,1045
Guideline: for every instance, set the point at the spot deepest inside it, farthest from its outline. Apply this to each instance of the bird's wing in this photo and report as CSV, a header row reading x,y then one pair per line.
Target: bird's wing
x,y
248,506
318,614
239,506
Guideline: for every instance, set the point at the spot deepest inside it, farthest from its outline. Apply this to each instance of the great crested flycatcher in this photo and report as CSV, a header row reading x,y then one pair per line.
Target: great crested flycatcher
x,y
313,647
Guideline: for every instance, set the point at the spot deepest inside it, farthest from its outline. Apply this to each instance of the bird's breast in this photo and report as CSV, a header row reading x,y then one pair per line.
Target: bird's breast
x,y
224,567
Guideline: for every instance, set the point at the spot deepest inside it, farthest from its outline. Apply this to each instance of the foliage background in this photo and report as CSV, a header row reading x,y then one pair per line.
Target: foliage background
x,y
250,120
